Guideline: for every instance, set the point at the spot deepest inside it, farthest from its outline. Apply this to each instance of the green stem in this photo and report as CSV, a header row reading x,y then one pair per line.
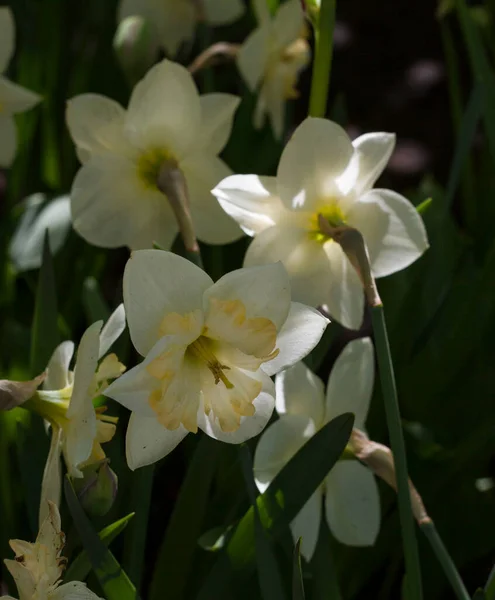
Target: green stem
x,y
413,569
431,533
322,64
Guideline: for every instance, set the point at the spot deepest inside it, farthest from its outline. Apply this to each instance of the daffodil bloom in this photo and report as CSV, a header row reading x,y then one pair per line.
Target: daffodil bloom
x,y
38,567
115,199
66,402
351,500
173,22
13,98
321,172
271,59
209,350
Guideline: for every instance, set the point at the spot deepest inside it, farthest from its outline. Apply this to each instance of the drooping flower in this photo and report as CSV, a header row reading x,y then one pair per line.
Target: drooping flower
x,y
351,500
38,567
271,59
13,98
173,22
322,172
209,350
66,402
115,200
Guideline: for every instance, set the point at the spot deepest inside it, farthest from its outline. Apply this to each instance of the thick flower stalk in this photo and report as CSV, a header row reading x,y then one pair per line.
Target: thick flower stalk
x,y
117,198
174,22
322,174
66,402
209,350
13,98
350,492
37,568
271,59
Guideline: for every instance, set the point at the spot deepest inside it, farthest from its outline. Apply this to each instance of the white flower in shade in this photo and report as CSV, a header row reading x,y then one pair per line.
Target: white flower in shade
x,y
209,350
66,402
322,172
115,200
350,492
173,22
271,59
37,568
13,98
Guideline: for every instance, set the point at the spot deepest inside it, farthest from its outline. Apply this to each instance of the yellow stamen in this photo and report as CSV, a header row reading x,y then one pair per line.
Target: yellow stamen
x,y
333,214
200,349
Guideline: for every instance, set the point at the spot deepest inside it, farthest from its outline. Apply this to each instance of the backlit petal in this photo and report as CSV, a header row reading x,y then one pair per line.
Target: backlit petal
x,y
253,56
217,113
300,392
306,525
112,330
57,376
372,151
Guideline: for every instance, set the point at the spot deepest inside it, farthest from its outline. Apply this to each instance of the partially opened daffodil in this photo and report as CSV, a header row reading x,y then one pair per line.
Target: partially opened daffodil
x,y
209,350
173,22
115,198
13,98
37,568
351,500
271,59
321,172
66,402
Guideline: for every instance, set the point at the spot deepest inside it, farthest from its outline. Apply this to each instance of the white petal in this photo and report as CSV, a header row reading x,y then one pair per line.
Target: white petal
x,y
147,441
8,140
252,57
352,504
164,110
306,525
372,152
51,484
300,392
261,11
345,299
351,380
211,223
264,291
288,23
112,329
74,590
272,98
250,200
96,123
217,114
7,37
278,444
26,246
304,258
317,153
24,578
157,283
300,333
250,426
15,98
57,377
392,228
222,12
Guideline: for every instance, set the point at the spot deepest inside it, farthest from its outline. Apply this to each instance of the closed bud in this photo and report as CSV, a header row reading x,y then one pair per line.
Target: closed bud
x,y
97,489
134,47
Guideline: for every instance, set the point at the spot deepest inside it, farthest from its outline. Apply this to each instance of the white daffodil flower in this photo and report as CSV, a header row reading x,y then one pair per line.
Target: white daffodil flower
x,y
209,350
13,98
352,503
66,402
322,172
115,200
38,567
173,22
271,59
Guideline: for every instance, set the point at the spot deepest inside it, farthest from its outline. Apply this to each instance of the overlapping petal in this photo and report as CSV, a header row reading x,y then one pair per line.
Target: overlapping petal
x,y
57,371
15,98
288,23
300,392
112,330
372,151
306,524
217,116
253,55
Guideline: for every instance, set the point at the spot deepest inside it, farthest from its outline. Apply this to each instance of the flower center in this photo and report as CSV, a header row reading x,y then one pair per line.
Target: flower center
x,y
150,163
333,214
201,348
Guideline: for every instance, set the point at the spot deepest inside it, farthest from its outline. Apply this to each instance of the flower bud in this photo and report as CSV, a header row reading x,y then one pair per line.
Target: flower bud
x,y
97,489
134,47
16,393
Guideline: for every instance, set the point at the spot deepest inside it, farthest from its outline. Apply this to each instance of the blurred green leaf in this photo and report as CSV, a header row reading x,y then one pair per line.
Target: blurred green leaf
x,y
94,304
325,585
297,576
81,565
490,586
113,579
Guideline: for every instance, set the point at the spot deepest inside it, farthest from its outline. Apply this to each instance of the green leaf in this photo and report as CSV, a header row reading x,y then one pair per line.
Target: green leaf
x,y
81,566
268,571
280,503
44,334
174,563
325,584
94,304
424,206
490,586
479,594
297,576
113,579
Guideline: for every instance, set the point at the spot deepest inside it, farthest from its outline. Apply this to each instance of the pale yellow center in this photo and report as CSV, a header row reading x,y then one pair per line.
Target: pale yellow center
x,y
150,163
333,213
